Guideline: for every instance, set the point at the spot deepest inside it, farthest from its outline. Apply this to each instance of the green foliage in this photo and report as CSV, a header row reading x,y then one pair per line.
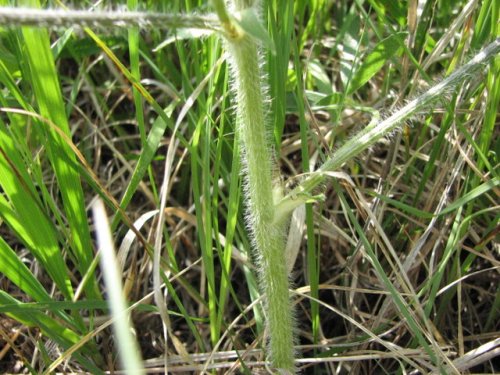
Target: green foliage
x,y
396,172
375,60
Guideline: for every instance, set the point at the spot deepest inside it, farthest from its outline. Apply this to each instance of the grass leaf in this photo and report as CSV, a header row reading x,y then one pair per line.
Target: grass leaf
x,y
47,91
375,60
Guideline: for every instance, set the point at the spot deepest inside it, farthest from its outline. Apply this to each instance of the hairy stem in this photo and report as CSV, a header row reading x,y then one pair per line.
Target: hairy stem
x,y
15,16
373,133
268,234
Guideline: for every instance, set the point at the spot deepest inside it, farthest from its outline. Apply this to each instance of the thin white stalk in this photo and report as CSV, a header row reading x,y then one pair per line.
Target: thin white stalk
x,y
129,352
15,16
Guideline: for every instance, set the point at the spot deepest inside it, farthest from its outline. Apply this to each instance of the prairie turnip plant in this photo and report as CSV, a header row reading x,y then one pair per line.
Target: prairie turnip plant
x,y
269,202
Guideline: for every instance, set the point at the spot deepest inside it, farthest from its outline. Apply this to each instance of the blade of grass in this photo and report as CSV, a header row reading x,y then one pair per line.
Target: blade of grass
x,y
24,214
127,345
155,135
87,172
200,166
47,91
219,171
281,25
15,270
233,201
133,47
312,250
51,328
405,310
375,60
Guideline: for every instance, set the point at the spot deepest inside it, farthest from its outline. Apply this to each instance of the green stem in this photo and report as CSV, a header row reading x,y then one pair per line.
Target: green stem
x,y
220,9
373,132
15,16
268,234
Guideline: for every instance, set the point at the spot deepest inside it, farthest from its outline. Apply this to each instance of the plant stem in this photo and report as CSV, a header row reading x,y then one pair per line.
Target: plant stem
x,y
15,16
372,133
268,235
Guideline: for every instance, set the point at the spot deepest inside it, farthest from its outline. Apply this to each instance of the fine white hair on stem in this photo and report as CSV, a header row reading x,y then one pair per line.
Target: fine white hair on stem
x,y
371,134
268,236
374,132
14,16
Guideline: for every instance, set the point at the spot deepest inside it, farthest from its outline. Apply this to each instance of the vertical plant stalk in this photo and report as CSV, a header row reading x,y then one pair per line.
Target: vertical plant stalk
x,y
268,235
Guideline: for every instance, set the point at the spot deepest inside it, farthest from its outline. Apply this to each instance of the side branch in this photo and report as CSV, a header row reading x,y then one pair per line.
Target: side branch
x,y
373,133
15,16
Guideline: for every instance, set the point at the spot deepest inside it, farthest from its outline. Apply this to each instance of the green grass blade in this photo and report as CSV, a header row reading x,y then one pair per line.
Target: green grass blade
x,y
52,328
232,221
375,60
200,166
471,195
48,95
403,307
24,214
15,270
280,28
312,250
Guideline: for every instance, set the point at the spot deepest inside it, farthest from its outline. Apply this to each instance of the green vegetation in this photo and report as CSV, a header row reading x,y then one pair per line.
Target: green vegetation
x,y
352,146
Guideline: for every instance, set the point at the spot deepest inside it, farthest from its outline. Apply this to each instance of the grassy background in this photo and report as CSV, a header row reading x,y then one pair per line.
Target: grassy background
x,y
90,113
